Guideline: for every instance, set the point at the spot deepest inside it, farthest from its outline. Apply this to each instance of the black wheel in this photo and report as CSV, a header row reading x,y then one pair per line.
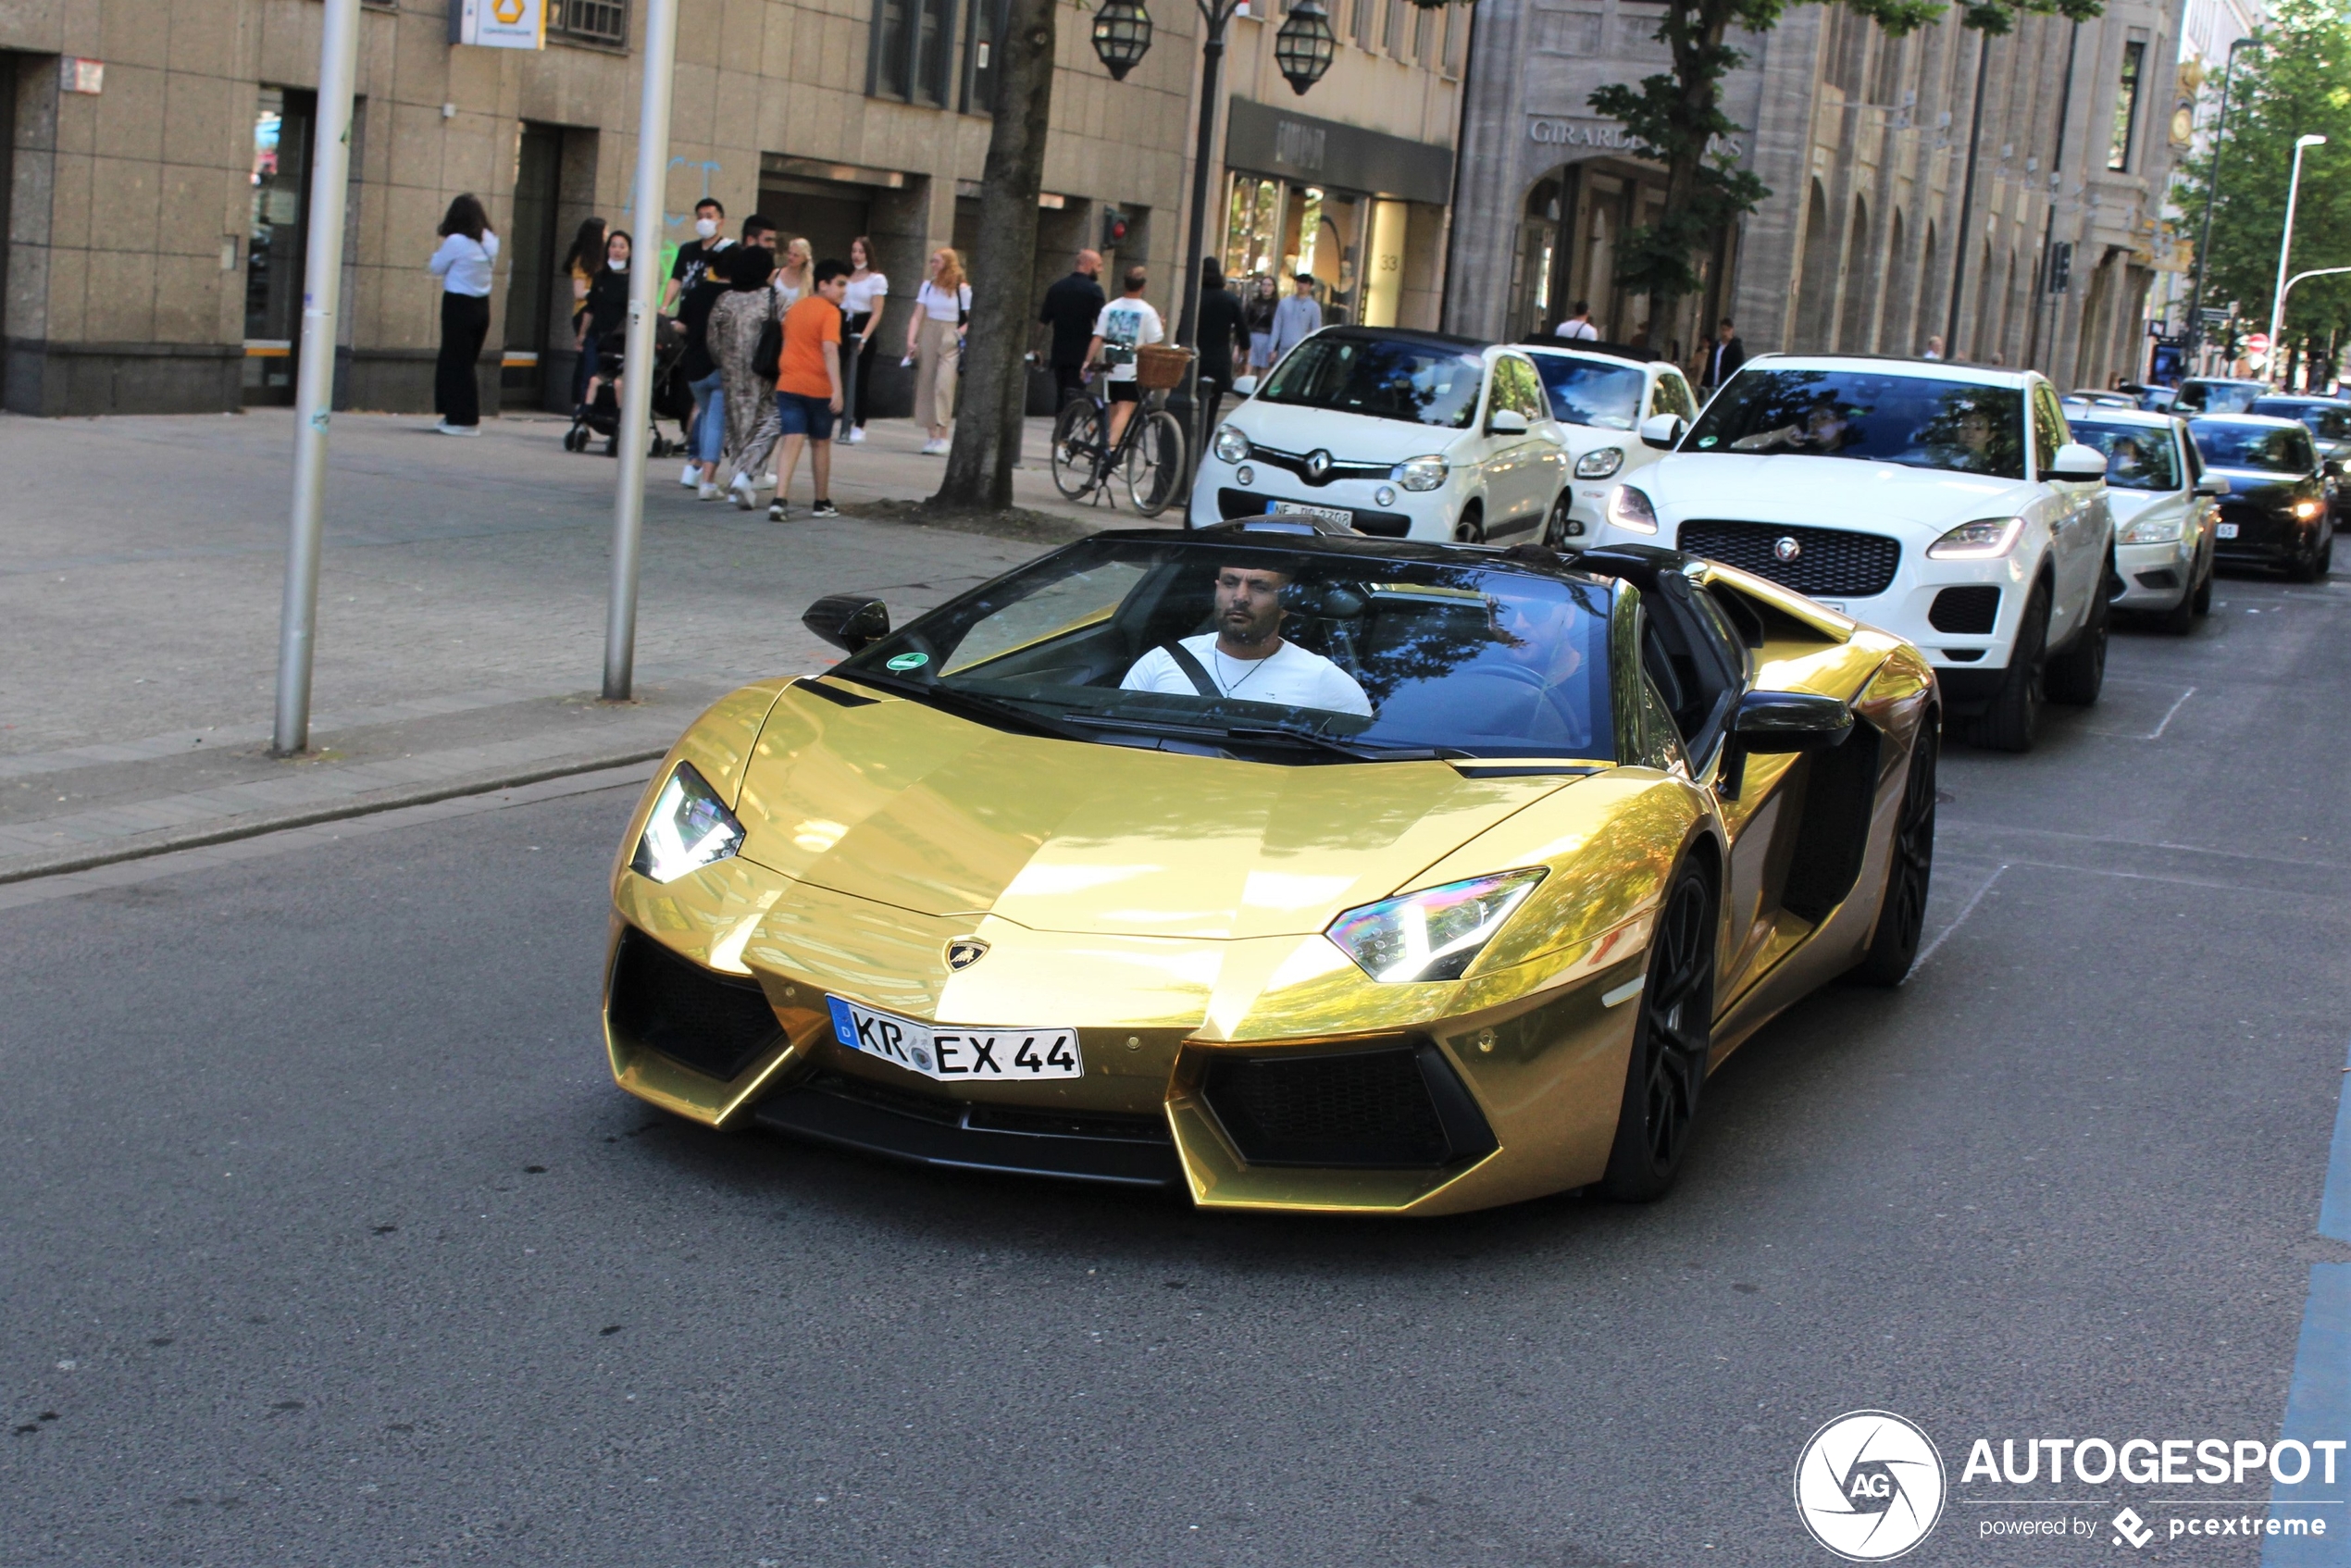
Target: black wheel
x,y
2014,719
1078,449
1672,1042
662,447
2075,677
2326,557
1155,462
2202,598
2305,568
1555,525
1903,916
1471,530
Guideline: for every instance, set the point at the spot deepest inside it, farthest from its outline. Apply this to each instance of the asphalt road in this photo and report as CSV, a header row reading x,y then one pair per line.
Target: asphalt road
x,y
328,1242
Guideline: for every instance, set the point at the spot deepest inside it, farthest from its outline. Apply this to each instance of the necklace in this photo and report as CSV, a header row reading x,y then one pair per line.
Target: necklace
x,y
1254,665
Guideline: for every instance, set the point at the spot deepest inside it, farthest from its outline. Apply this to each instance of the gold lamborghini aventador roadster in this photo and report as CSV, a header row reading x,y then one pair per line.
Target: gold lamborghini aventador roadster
x,y
1291,869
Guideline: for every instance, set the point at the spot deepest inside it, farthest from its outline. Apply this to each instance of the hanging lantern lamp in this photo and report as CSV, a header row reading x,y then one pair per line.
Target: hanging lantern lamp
x,y
1304,45
1122,36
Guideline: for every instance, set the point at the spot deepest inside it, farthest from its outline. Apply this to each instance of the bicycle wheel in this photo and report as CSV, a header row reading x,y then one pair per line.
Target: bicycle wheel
x,y
1155,462
1078,448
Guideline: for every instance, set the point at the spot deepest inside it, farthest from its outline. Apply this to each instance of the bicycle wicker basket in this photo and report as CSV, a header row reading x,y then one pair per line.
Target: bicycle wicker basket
x,y
1159,368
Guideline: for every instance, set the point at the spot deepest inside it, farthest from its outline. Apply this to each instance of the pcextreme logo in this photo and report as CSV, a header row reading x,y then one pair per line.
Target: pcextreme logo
x,y
1868,1486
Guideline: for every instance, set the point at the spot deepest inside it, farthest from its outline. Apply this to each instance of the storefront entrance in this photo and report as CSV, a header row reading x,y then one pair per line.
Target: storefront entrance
x,y
1572,230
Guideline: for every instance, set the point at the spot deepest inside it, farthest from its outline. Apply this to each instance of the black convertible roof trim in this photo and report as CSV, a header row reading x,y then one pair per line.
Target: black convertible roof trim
x,y
1640,564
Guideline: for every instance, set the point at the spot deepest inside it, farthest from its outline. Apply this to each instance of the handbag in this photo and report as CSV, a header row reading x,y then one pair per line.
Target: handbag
x,y
767,359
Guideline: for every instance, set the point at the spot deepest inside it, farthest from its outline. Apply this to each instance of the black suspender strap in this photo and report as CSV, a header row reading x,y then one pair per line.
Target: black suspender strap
x,y
1193,670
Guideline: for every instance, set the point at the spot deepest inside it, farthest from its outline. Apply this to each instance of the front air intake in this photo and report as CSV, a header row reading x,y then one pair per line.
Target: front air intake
x,y
1397,1107
718,1025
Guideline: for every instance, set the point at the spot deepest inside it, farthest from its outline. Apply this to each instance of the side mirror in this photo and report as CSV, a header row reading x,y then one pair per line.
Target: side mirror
x,y
848,621
1662,432
2077,463
2212,484
1777,722
1507,422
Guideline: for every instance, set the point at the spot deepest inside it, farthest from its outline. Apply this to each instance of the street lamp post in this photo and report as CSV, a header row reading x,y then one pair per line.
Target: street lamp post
x,y
2285,248
2211,194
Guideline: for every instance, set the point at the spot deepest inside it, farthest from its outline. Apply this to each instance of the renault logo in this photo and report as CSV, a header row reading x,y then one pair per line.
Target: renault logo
x,y
965,951
1318,465
1786,548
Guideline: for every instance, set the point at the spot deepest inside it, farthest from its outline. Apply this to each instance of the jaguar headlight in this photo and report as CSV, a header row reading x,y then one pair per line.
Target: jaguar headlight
x,y
1599,463
1984,540
1231,445
1629,508
2163,529
1420,473
690,828
1434,934
2307,509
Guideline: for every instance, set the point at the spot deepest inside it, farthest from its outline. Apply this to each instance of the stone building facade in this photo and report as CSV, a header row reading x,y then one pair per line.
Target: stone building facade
x,y
1870,240
155,229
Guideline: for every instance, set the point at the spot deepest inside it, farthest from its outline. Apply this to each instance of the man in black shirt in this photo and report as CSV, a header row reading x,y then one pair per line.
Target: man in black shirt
x,y
1724,356
1221,332
695,255
1071,307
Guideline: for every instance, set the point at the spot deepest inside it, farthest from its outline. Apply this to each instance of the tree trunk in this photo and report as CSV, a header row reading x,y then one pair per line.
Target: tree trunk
x,y
995,376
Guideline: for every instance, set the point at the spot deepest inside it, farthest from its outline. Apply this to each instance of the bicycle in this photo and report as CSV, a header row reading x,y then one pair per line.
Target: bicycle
x,y
1151,450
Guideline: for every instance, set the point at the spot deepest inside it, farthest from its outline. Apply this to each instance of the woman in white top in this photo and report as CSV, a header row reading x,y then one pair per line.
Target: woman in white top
x,y
935,345
467,247
864,301
792,275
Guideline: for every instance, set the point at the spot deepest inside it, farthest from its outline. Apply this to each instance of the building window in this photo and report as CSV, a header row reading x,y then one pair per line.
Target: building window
x,y
1367,24
988,22
276,234
2126,106
589,21
914,44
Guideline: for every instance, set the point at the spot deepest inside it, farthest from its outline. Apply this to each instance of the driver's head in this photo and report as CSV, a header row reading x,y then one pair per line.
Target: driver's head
x,y
1975,429
1249,601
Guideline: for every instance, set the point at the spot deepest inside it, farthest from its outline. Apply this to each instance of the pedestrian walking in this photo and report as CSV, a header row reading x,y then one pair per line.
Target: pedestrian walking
x,y
738,320
759,231
585,260
864,297
808,389
1072,306
1724,356
935,345
607,309
695,255
1220,333
1934,349
1127,324
1578,326
467,247
707,434
1296,319
791,276
1258,317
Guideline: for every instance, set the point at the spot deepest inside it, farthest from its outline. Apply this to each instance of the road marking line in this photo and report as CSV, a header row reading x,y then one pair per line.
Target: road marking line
x,y
2156,733
1944,935
2318,1402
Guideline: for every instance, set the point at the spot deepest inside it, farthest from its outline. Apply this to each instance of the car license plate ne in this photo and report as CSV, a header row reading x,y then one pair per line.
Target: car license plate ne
x,y
1342,516
958,1052
2224,531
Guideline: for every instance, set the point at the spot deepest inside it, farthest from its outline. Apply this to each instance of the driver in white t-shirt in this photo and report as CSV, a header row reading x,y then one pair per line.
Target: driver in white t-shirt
x,y
1246,657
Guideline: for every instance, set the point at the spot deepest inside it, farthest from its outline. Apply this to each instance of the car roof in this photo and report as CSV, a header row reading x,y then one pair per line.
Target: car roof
x,y
1932,369
1406,334
2303,400
2259,421
1308,537
2221,381
1588,348
2107,413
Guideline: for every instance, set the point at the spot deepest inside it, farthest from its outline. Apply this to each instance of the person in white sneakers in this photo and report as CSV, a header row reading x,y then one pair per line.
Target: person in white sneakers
x,y
935,346
865,300
1126,323
467,247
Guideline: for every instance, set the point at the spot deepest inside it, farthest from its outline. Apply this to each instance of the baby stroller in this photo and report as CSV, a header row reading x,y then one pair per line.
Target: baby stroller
x,y
600,414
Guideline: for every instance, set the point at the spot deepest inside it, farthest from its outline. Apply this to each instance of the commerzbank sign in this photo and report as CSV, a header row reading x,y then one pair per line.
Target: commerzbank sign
x,y
1609,135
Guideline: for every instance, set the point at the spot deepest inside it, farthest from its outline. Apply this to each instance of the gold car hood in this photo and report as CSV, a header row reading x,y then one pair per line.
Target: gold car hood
x,y
897,803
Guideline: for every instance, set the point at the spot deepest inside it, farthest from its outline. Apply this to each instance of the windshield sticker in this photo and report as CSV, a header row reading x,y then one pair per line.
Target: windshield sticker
x,y
908,661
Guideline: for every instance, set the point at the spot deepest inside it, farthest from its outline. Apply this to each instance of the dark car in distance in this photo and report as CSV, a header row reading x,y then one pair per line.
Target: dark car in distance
x,y
2216,395
2277,510
2329,421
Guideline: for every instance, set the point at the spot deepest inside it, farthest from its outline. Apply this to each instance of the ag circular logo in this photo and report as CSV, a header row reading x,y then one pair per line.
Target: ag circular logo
x,y
1868,1486
1787,548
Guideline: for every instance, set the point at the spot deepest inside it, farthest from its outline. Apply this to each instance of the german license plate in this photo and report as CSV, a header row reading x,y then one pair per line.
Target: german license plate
x,y
2224,531
1343,517
958,1052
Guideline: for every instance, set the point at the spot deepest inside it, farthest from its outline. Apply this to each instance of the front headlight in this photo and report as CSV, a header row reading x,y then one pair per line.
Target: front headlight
x,y
1599,463
2306,510
1980,541
1629,508
690,828
2165,530
1420,473
1434,934
1231,445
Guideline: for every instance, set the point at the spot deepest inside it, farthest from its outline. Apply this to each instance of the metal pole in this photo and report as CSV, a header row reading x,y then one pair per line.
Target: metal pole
x,y
1967,203
315,383
2212,194
2285,248
637,367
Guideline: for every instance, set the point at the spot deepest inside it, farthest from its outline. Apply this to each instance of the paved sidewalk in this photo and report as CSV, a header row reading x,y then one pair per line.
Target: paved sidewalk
x,y
461,613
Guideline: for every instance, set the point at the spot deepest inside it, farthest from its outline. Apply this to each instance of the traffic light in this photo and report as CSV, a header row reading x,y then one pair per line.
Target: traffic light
x,y
1113,228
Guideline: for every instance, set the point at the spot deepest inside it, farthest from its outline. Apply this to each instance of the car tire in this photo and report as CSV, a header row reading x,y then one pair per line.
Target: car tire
x,y
1902,919
2014,718
1555,525
2202,598
2076,676
1471,527
1665,1072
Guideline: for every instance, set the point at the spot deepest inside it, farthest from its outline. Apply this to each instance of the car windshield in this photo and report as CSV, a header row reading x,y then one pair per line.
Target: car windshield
x,y
1585,392
1340,657
2137,457
1914,420
2269,448
2218,397
2328,421
1386,377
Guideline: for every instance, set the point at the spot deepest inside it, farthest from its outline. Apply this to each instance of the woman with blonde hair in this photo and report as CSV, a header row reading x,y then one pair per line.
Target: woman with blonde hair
x,y
792,274
935,345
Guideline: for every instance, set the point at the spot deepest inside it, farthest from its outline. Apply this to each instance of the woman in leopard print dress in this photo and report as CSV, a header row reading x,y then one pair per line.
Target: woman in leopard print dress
x,y
736,323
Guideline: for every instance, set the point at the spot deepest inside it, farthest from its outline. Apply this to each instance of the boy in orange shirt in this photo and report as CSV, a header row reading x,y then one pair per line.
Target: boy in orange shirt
x,y
808,388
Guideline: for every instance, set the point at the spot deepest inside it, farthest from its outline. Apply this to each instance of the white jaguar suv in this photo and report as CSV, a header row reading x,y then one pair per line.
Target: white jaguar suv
x,y
1948,503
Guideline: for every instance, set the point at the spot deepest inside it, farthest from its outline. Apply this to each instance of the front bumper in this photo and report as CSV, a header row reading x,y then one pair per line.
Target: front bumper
x,y
2265,536
2154,577
1219,492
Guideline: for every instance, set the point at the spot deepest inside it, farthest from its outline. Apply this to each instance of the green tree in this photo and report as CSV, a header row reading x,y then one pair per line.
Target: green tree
x,y
2293,79
1678,115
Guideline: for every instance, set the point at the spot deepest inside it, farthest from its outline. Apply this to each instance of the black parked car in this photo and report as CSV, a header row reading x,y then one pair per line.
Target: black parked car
x,y
2329,421
2216,395
2277,511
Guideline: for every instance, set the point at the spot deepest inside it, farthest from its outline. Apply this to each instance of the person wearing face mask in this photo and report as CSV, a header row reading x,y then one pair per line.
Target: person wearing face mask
x,y
693,256
607,309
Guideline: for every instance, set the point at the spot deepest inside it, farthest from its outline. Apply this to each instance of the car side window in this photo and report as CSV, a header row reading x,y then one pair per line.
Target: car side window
x,y
1526,389
2302,455
2194,467
1673,396
2048,429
